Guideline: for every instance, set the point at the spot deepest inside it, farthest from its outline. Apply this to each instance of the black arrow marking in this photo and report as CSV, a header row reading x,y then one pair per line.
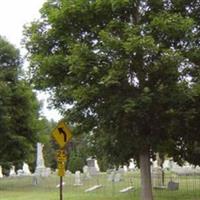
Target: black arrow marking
x,y
61,131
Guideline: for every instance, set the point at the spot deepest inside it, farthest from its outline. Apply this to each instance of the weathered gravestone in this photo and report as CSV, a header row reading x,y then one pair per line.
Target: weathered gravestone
x,y
157,177
173,185
93,188
78,181
41,170
93,167
25,171
12,171
115,176
127,189
86,172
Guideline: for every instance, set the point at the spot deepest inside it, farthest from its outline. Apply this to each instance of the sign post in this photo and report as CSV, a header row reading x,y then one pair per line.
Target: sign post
x,y
61,159
62,135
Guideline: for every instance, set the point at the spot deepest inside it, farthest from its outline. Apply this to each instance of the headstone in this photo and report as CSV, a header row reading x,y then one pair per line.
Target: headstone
x,y
157,177
78,179
111,175
92,166
197,170
20,172
68,173
41,170
86,172
1,174
121,172
128,189
96,165
132,165
40,158
95,187
26,169
173,185
12,171
185,170
125,168
58,186
117,177
114,176
166,164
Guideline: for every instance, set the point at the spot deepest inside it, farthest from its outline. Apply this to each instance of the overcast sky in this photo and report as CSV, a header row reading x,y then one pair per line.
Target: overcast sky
x,y
13,15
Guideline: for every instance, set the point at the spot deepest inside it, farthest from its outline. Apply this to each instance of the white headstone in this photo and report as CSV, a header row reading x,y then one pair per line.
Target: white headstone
x,y
95,187
86,172
26,169
68,173
127,189
41,170
1,174
12,171
58,186
96,165
114,176
78,178
125,168
40,158
92,166
132,165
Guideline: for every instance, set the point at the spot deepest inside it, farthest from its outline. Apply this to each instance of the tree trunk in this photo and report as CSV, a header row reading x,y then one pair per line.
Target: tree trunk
x,y
146,192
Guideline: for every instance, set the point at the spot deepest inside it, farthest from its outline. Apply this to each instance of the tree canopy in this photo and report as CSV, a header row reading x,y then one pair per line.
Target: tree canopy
x,y
129,69
19,110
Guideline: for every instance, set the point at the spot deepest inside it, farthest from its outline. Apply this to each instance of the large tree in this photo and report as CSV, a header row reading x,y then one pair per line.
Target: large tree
x,y
126,67
19,110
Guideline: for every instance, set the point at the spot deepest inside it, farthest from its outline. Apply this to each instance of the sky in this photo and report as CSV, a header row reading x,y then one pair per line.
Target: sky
x,y
14,14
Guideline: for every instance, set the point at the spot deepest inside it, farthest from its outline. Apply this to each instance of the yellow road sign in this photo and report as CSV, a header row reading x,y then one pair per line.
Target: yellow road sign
x,y
61,156
62,134
61,168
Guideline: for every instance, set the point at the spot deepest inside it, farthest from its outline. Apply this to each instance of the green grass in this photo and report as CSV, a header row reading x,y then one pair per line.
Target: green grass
x,y
22,188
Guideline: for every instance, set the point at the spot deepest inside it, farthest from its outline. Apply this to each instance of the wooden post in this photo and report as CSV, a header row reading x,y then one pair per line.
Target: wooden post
x,y
61,188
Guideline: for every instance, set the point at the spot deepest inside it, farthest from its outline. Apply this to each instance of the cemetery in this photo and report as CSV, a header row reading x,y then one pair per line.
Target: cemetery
x,y
91,183
98,187
124,78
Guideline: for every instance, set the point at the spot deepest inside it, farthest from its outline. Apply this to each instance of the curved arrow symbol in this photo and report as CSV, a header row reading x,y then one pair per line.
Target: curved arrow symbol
x,y
61,131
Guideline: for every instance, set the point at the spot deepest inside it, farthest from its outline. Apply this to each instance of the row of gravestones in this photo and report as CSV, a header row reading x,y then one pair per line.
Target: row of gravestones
x,y
158,175
117,175
113,176
90,169
41,170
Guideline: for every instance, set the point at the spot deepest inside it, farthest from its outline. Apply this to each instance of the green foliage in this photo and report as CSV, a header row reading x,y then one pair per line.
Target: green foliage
x,y
76,163
127,69
18,110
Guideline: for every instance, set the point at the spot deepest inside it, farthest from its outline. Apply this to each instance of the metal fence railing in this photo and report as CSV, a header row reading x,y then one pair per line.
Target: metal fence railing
x,y
100,187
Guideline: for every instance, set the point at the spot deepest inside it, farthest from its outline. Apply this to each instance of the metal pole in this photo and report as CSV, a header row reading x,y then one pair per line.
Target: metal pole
x,y
61,188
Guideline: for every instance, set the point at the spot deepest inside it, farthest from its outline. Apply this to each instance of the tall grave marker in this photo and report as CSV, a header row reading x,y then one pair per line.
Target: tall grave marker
x,y
41,170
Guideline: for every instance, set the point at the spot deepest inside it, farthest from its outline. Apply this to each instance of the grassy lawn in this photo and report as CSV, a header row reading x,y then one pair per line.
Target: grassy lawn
x,y
22,188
